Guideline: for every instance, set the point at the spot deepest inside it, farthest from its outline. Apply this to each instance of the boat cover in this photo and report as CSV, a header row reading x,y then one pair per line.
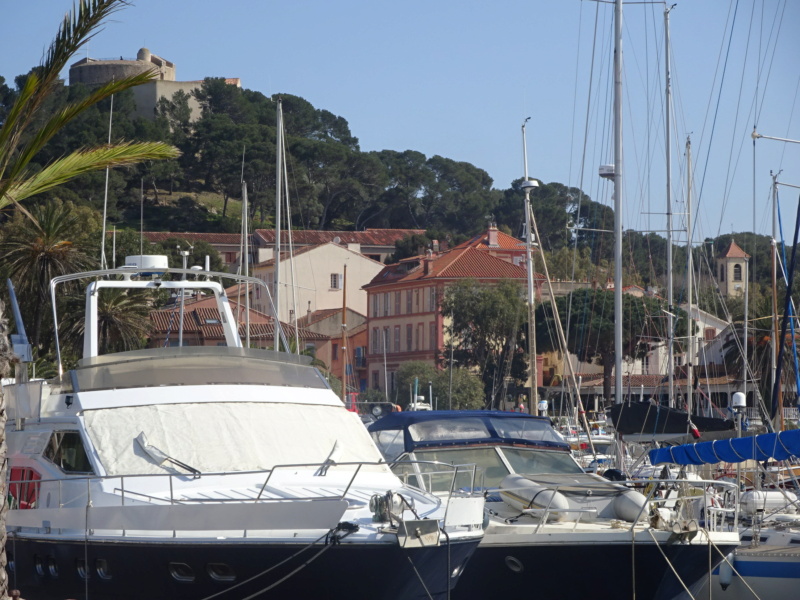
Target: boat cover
x,y
777,446
410,431
647,418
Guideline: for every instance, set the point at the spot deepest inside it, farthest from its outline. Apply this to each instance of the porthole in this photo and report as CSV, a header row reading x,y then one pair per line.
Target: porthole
x,y
38,566
80,567
10,565
181,572
102,568
52,567
221,572
514,564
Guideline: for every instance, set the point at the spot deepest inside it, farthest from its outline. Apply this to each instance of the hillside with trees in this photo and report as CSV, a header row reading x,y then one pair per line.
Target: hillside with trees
x,y
333,184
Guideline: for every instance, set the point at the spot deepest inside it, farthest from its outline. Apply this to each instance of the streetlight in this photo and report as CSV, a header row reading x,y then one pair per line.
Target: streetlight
x,y
527,186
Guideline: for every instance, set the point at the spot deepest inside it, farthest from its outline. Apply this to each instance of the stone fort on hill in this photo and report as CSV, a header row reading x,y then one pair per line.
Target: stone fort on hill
x,y
97,71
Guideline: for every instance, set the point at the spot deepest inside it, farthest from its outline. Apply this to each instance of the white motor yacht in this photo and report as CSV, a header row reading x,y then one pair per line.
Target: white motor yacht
x,y
211,472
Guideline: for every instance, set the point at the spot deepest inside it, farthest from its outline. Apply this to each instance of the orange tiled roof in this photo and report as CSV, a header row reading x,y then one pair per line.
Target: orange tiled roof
x,y
303,249
317,315
458,263
370,237
504,242
286,255
734,251
212,238
201,316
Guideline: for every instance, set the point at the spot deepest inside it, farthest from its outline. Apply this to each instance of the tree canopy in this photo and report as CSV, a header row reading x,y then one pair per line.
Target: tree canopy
x,y
587,319
487,330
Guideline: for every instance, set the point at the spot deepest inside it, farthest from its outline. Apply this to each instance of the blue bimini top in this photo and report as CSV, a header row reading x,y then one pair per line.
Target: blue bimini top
x,y
778,446
447,428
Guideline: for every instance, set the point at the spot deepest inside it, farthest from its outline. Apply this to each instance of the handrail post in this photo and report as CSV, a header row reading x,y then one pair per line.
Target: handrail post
x,y
352,479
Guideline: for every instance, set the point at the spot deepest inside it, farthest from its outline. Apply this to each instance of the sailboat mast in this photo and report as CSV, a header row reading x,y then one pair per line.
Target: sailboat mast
x,y
689,279
776,339
278,189
618,201
246,261
533,399
344,335
103,261
668,139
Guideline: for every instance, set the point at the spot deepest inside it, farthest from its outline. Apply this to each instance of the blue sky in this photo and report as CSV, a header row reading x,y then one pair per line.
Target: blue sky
x,y
458,78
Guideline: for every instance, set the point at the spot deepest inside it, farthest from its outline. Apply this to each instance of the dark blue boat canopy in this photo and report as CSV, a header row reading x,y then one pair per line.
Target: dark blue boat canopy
x,y
777,446
408,431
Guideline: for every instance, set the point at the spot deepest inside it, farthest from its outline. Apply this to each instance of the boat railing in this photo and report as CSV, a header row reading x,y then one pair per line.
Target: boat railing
x,y
713,515
80,490
74,498
437,477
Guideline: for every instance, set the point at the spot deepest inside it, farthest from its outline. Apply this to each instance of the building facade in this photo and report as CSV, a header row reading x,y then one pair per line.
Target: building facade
x,y
404,319
313,279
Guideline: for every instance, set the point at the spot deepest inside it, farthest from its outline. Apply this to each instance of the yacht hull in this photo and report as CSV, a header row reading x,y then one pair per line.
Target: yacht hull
x,y
769,571
162,569
576,571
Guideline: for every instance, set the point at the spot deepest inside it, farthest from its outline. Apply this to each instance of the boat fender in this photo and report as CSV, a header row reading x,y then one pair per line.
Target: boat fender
x,y
629,506
726,571
521,493
614,475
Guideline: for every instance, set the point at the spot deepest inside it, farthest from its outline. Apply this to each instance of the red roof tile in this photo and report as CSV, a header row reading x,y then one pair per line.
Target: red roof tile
x,y
202,316
457,263
303,249
504,242
370,237
734,251
211,238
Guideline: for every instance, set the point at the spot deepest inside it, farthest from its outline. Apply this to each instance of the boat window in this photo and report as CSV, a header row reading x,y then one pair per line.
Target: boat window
x,y
389,442
489,467
449,429
534,462
526,429
65,450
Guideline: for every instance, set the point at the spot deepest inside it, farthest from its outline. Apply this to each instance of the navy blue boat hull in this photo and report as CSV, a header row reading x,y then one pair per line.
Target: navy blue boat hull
x,y
45,570
583,571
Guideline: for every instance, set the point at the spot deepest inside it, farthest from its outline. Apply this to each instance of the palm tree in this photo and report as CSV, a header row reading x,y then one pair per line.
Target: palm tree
x,y
22,137
123,320
39,248
19,144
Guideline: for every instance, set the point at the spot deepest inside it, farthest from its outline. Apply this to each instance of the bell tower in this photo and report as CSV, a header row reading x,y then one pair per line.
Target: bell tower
x,y
732,270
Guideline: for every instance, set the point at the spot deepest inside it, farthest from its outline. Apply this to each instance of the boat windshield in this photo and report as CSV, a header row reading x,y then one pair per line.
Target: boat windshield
x,y
474,428
492,464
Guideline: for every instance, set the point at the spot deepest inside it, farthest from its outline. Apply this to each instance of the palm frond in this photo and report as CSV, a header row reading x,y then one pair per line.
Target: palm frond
x,y
14,124
84,161
57,121
77,28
